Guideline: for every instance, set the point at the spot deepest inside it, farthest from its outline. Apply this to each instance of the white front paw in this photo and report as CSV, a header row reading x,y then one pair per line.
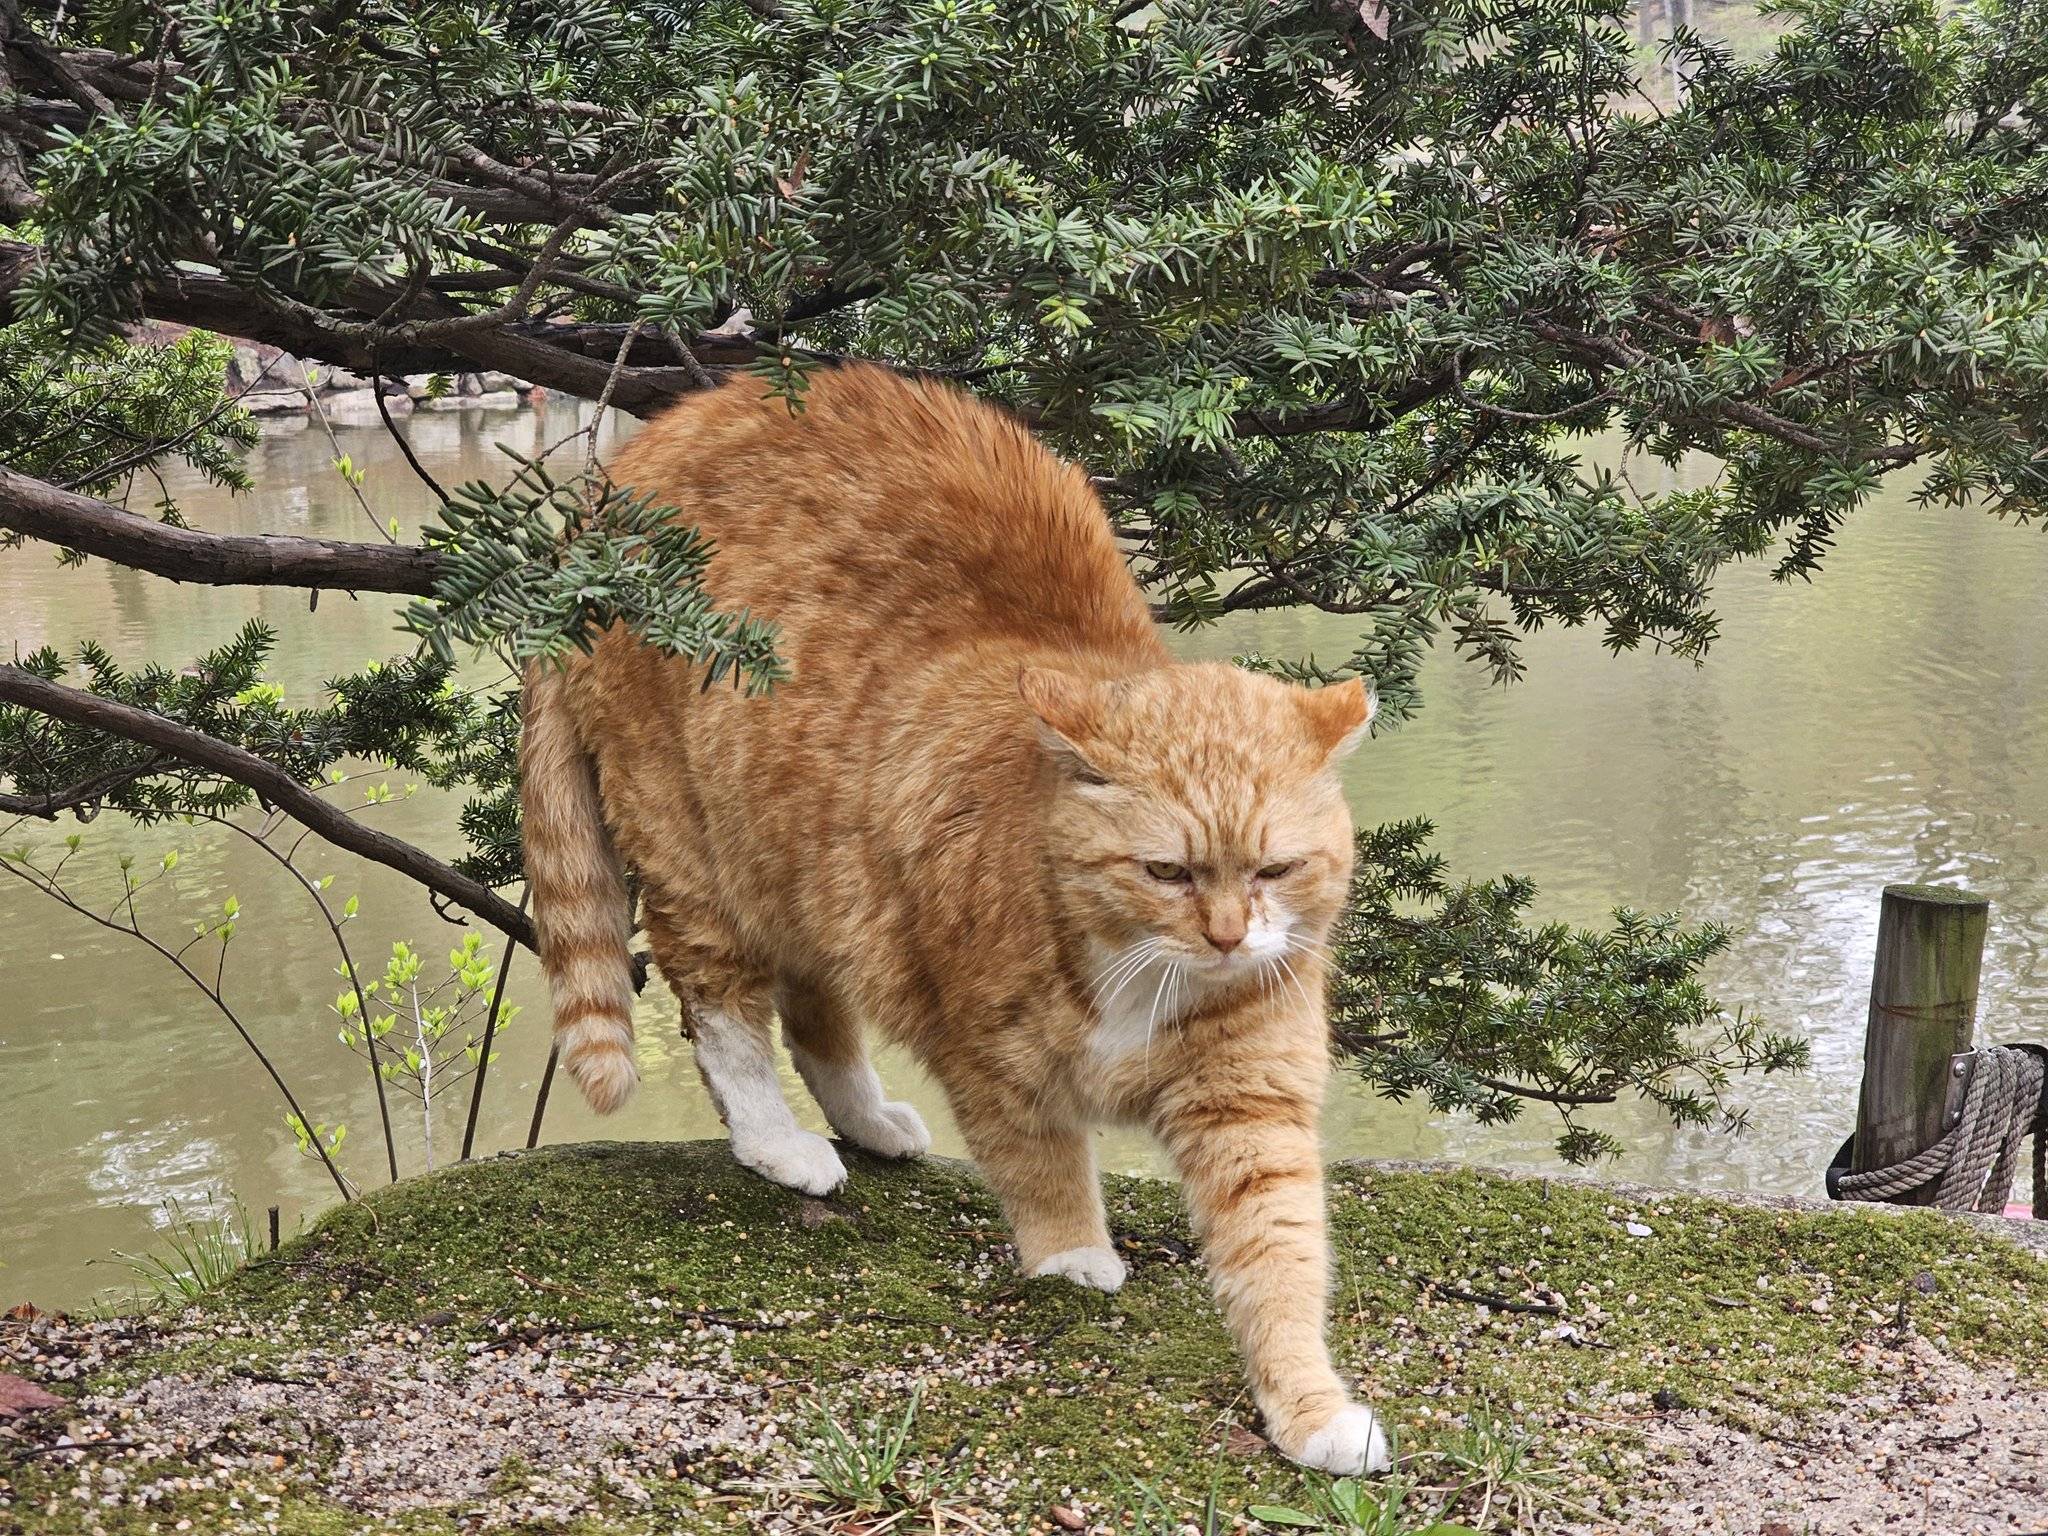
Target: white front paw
x,y
1350,1444
890,1130
794,1159
1096,1268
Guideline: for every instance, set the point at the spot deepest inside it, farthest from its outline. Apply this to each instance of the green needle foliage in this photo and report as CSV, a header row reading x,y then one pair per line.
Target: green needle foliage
x,y
1329,298
406,713
536,568
1443,992
91,416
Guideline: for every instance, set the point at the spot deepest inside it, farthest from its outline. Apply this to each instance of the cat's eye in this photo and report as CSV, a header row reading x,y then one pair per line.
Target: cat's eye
x,y
1159,869
1278,871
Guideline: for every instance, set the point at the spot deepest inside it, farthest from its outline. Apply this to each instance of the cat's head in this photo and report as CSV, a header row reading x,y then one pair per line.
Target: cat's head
x,y
1196,812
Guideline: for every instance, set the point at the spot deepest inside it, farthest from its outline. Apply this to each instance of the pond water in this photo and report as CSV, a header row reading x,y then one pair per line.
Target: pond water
x,y
1885,723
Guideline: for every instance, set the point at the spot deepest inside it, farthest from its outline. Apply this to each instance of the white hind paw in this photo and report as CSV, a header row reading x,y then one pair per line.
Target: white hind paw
x,y
890,1130
1351,1443
794,1159
1096,1268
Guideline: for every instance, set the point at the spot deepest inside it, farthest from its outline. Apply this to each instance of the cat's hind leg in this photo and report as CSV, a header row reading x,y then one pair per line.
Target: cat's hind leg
x,y
728,1006
825,1043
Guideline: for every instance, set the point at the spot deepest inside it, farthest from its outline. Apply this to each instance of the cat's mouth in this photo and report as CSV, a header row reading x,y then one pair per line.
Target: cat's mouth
x,y
1268,965
1231,964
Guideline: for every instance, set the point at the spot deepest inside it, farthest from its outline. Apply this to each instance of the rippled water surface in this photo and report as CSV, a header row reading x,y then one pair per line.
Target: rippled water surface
x,y
1885,723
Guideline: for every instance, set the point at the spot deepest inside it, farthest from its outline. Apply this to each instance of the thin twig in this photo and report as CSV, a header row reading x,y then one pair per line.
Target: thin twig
x,y
398,437
483,1060
313,399
1495,1301
274,783
46,883
540,1099
312,889
604,399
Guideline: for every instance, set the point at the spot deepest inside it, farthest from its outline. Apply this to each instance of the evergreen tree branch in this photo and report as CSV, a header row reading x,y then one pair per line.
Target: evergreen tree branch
x,y
83,797
272,783
572,358
39,510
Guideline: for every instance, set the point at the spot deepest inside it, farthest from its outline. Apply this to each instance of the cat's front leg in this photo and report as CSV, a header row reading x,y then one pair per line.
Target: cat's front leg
x,y
1052,1196
1250,1162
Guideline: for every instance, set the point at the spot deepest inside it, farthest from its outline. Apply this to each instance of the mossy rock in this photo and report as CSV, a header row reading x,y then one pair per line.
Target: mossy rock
x,y
635,1338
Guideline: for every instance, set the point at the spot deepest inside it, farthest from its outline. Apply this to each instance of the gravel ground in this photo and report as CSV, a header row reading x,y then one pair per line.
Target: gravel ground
x,y
530,1428
535,1428
1936,1447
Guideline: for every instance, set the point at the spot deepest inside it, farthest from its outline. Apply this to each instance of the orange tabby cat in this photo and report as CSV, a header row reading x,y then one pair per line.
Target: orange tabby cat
x,y
987,815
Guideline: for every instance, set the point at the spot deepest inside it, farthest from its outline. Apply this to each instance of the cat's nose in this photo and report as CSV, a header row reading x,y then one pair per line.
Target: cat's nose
x,y
1223,937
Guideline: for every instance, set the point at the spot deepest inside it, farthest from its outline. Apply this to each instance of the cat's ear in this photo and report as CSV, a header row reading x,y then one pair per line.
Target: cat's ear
x,y
1067,710
1338,716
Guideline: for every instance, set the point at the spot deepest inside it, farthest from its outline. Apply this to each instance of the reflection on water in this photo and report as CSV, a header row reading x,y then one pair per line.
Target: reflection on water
x,y
1883,724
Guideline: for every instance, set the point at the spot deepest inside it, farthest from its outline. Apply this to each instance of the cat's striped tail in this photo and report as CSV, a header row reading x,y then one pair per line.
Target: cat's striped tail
x,y
582,915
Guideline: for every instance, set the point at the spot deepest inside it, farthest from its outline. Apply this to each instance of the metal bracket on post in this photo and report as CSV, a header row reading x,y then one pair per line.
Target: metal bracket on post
x,y
1962,1067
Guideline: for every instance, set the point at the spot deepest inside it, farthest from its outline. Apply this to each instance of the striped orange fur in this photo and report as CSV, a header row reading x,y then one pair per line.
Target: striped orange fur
x,y
582,919
989,816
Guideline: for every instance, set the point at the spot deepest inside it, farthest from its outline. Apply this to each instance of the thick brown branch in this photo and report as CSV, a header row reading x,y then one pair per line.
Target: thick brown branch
x,y
53,63
277,787
40,510
575,359
578,359
18,200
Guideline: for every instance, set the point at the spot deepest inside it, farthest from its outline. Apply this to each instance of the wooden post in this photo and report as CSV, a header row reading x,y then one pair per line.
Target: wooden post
x,y
1923,1013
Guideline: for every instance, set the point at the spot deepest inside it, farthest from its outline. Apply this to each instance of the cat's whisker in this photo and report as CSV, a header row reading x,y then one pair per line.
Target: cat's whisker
x,y
1293,943
1126,968
1176,1003
1166,973
1143,950
1122,966
1124,958
1295,981
1308,946
1133,953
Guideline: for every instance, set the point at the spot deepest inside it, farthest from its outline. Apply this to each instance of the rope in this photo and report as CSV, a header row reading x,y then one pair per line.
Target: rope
x,y
1972,1167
